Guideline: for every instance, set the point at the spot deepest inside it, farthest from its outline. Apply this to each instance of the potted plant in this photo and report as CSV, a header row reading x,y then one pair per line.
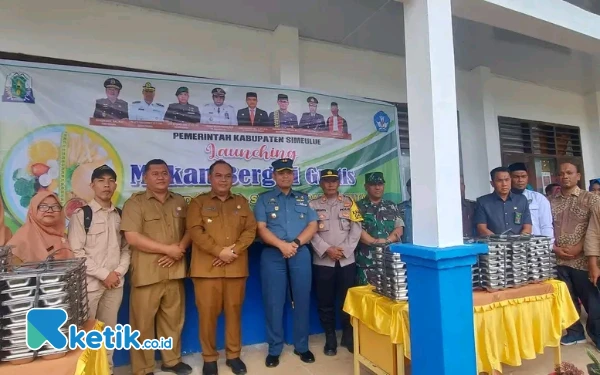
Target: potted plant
x,y
594,367
567,368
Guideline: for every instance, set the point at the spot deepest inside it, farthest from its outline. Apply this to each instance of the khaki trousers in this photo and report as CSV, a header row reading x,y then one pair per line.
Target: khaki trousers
x,y
159,306
214,295
104,306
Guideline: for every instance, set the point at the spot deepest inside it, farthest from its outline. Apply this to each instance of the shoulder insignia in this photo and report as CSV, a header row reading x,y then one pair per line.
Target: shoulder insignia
x,y
136,102
160,105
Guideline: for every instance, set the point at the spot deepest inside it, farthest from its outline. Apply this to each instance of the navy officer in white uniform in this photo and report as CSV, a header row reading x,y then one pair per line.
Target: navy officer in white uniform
x,y
147,109
219,113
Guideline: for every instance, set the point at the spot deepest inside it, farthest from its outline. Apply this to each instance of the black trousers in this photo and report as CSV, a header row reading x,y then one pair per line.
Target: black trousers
x,y
329,283
582,289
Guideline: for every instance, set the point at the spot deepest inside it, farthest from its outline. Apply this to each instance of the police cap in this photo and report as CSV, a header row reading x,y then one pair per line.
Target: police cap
x,y
113,83
251,95
374,178
181,90
148,87
312,100
329,174
282,97
283,164
103,170
217,91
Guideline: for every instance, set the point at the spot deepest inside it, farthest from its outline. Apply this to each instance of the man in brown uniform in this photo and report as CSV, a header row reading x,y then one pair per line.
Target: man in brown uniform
x,y
222,228
154,226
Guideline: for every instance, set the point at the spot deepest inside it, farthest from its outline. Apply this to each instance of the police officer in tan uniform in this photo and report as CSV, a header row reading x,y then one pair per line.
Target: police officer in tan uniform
x,y
334,267
154,226
222,227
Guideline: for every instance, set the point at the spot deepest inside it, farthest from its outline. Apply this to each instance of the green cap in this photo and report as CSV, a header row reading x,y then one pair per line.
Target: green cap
x,y
374,178
181,89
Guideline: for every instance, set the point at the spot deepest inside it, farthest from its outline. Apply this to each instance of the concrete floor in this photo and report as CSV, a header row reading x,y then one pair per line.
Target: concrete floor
x,y
342,364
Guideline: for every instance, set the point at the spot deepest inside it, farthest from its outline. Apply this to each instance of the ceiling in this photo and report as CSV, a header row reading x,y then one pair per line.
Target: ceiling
x,y
378,25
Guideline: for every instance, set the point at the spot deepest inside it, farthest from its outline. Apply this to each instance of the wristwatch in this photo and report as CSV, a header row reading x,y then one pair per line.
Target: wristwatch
x,y
297,242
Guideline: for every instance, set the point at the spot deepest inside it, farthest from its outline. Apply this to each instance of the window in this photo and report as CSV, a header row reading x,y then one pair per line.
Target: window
x,y
542,147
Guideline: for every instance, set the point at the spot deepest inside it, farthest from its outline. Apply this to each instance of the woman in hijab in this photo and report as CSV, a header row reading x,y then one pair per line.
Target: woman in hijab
x,y
43,233
5,233
595,186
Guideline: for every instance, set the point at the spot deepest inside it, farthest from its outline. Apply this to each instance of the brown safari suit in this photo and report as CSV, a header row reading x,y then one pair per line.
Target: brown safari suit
x,y
214,224
156,292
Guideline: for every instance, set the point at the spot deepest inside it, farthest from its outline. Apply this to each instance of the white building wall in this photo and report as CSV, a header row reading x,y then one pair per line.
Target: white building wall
x,y
106,33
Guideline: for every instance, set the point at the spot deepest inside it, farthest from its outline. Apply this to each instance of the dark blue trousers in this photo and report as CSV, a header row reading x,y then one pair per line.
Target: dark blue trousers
x,y
274,279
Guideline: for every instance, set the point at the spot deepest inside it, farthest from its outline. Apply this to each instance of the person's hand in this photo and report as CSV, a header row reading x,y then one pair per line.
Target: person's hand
x,y
288,249
562,253
573,250
166,261
334,253
227,255
218,263
594,272
112,280
174,251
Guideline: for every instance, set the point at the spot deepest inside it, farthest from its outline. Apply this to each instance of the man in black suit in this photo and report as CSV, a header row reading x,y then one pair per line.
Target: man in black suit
x,y
252,116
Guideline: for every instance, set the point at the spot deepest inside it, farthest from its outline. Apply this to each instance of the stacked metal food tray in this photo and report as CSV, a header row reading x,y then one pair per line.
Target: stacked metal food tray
x,y
513,261
389,274
5,258
51,284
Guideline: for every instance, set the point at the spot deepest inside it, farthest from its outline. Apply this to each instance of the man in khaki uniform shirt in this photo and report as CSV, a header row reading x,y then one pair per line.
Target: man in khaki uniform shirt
x,y
104,247
154,225
334,267
222,227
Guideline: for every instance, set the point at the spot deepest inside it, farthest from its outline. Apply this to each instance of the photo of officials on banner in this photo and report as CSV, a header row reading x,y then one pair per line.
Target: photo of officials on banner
x,y
219,111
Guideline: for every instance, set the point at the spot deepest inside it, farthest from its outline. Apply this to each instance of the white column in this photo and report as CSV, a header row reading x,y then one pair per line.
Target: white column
x,y
435,172
589,143
286,56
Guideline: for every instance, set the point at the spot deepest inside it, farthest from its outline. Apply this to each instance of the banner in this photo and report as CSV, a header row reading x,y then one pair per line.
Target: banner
x,y
58,123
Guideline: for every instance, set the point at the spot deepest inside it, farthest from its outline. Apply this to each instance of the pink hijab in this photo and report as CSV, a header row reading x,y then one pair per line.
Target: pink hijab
x,y
33,239
5,233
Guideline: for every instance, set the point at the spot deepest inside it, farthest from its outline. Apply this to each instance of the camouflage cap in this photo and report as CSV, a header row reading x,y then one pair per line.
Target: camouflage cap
x,y
374,178
148,87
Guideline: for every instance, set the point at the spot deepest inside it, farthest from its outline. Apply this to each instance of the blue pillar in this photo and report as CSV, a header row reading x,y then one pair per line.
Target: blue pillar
x,y
440,298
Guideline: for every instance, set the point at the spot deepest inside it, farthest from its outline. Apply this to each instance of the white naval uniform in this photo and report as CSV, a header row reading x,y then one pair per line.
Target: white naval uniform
x,y
142,111
223,115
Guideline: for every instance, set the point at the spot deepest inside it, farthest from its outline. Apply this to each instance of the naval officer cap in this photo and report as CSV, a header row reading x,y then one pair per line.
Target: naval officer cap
x,y
148,87
102,171
282,97
329,174
312,100
283,164
113,83
181,90
374,178
217,91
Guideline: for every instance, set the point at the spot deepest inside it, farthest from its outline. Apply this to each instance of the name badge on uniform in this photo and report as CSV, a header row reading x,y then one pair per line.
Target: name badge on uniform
x,y
518,217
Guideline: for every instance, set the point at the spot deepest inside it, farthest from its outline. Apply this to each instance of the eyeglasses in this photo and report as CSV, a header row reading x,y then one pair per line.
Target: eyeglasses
x,y
46,208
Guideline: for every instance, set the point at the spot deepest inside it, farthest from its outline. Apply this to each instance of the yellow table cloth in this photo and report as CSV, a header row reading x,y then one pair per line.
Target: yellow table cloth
x,y
505,332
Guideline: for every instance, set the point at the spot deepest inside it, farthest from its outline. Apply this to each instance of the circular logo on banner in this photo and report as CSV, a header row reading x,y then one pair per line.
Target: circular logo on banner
x,y
58,158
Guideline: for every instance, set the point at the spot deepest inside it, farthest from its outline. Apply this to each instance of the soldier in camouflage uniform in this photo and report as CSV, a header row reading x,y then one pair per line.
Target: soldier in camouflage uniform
x,y
382,223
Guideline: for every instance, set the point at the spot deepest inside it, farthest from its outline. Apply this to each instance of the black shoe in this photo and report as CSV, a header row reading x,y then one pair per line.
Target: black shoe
x,y
348,340
210,368
306,357
179,369
272,361
237,366
330,348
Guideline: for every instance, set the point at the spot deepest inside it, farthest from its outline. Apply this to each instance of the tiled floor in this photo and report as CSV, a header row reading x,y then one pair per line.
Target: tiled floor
x,y
342,364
